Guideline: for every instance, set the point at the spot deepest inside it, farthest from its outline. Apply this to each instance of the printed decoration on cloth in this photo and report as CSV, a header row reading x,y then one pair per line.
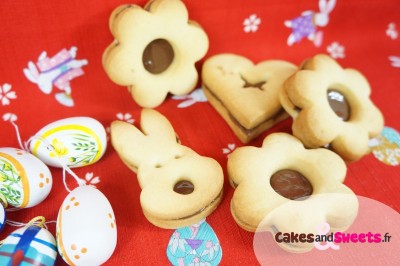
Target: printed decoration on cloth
x,y
336,50
92,180
6,94
155,50
391,31
194,245
84,215
196,96
307,25
56,71
394,60
386,146
25,181
74,141
10,117
127,117
229,149
251,23
30,245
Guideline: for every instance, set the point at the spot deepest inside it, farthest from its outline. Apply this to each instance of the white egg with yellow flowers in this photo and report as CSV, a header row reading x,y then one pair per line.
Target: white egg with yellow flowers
x,y
25,181
75,141
86,228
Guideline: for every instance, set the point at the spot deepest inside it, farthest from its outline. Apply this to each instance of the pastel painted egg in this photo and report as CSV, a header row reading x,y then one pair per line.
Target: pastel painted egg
x,y
30,245
25,181
76,141
86,228
2,217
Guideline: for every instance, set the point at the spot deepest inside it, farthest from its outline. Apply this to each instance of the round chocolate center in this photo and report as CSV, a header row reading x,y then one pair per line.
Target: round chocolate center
x,y
158,56
184,187
291,184
339,104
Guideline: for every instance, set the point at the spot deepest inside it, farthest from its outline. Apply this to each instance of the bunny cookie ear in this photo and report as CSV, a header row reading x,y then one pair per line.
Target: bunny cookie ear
x,y
125,139
326,6
155,124
139,147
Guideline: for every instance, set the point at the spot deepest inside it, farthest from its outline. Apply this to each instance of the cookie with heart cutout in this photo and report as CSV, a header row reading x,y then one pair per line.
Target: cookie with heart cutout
x,y
246,94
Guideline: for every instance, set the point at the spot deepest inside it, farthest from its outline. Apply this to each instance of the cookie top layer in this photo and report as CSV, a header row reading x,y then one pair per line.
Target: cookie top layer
x,y
256,198
155,50
249,91
313,94
179,187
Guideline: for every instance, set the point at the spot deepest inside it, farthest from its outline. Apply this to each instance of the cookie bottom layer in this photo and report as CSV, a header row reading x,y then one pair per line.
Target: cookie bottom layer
x,y
245,135
185,221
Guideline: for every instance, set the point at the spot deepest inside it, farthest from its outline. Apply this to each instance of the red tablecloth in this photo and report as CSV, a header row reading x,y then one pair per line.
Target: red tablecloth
x,y
360,34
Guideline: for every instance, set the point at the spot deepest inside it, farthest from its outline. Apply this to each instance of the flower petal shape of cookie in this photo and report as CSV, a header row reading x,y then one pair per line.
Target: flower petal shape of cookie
x,y
281,184
331,106
155,50
179,187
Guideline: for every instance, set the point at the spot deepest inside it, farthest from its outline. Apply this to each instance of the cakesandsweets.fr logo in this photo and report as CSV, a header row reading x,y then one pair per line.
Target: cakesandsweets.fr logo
x,y
324,241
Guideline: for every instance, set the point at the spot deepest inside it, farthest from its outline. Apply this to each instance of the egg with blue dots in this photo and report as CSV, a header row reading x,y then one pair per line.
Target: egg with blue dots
x,y
72,142
86,230
25,181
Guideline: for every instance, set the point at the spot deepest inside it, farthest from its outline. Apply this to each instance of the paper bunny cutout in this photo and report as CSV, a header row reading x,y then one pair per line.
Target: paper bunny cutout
x,y
57,71
179,187
307,24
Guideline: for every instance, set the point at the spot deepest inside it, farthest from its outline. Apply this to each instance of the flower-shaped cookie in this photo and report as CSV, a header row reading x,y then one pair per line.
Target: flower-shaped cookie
x,y
289,188
331,107
155,50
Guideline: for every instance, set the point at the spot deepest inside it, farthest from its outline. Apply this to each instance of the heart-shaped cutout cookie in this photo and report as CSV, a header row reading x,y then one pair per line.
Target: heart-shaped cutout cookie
x,y
245,94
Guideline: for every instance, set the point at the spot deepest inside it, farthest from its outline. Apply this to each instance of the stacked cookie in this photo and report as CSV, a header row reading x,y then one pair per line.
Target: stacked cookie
x,y
330,106
290,184
293,183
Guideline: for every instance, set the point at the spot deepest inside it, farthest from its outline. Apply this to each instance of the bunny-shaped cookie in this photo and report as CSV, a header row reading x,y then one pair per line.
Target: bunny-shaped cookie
x,y
179,187
306,24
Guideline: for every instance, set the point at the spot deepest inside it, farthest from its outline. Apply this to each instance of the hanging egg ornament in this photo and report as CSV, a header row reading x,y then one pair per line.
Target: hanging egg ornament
x,y
75,141
3,206
86,228
30,245
25,181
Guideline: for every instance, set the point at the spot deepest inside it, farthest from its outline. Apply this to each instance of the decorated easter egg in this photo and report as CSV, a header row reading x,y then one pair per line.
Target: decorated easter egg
x,y
25,181
86,228
30,245
75,141
2,217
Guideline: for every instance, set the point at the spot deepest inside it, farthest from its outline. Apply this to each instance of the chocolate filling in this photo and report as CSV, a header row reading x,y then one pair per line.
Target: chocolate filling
x,y
158,56
202,209
184,187
339,104
249,132
291,184
257,85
